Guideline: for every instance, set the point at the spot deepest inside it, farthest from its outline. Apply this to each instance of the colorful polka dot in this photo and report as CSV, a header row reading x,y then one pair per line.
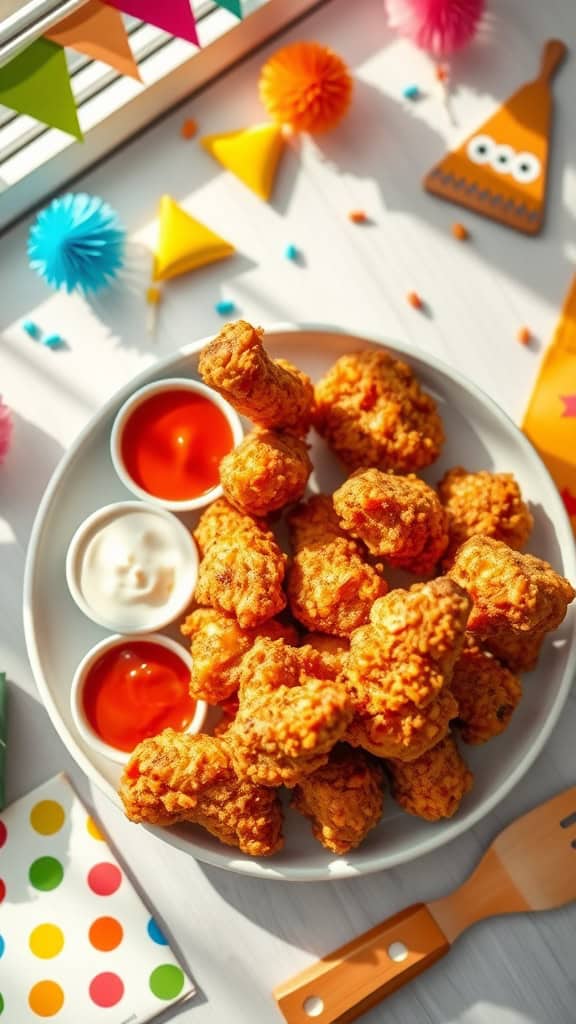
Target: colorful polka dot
x,y
3,834
155,934
46,998
2,889
2,946
47,817
46,873
93,830
46,941
106,989
166,981
105,933
104,879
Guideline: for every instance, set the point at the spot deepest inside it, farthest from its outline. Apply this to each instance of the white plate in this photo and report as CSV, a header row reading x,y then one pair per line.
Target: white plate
x,y
480,436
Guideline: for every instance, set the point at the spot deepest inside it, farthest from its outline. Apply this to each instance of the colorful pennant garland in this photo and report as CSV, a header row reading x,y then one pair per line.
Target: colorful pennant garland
x,y
234,6
97,31
173,16
36,82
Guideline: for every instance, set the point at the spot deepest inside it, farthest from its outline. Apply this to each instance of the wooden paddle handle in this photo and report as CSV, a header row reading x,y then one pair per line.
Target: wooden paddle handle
x,y
358,975
552,56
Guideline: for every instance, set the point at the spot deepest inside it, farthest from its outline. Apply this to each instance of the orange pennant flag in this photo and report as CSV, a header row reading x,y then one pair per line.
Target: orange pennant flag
x,y
99,32
550,419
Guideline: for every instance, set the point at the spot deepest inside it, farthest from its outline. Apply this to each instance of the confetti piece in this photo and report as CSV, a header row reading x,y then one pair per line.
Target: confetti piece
x,y
414,300
357,216
411,92
31,329
460,232
189,128
225,306
442,72
153,296
569,405
291,253
524,336
53,340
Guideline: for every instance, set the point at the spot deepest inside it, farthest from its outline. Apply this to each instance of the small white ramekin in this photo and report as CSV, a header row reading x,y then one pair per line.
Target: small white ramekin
x,y
77,707
183,592
143,395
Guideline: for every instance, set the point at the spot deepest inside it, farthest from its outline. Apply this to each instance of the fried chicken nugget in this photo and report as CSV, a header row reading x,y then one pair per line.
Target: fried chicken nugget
x,y
509,590
489,504
486,692
433,786
177,777
343,800
399,518
265,472
373,412
287,723
332,651
270,392
331,587
218,645
243,568
518,651
407,653
405,734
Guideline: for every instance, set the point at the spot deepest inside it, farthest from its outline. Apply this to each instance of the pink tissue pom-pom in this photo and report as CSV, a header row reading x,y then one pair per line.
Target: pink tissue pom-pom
x,y
5,430
439,26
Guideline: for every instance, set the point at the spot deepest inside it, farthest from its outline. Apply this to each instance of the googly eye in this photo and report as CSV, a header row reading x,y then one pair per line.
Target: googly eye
x,y
525,168
480,149
503,158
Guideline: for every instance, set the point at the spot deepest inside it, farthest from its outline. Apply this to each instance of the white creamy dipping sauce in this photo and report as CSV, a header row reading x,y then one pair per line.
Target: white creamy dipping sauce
x,y
131,568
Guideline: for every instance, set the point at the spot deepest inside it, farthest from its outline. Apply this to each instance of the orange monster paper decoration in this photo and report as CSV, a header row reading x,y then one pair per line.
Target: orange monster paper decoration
x,y
550,419
306,86
500,171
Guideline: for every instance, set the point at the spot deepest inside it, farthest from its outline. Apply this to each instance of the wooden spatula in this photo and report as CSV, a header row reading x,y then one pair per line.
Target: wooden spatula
x,y
531,865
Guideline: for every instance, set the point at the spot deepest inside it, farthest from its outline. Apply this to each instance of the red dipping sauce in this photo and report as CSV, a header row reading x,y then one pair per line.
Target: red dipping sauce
x,y
173,442
135,691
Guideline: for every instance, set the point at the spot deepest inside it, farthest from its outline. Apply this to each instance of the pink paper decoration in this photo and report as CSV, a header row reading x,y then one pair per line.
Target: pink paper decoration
x,y
173,16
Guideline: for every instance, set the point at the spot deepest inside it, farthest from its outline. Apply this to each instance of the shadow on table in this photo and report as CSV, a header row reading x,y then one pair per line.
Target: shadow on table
x,y
33,456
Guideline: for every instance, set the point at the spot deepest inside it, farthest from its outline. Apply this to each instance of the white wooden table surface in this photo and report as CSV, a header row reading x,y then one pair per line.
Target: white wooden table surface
x,y
239,936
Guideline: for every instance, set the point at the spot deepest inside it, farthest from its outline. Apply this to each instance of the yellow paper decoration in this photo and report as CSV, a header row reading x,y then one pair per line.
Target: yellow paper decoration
x,y
550,419
251,154
184,243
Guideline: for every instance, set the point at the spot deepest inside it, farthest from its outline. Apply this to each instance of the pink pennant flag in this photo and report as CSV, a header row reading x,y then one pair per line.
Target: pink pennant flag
x,y
173,16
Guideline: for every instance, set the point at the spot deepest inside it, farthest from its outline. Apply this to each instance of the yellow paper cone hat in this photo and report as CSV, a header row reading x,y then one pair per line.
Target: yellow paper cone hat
x,y
251,154
184,243
500,170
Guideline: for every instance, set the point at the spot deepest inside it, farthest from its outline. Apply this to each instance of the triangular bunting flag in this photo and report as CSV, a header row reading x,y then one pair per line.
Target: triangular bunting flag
x,y
184,243
97,31
234,6
37,83
251,154
500,170
173,16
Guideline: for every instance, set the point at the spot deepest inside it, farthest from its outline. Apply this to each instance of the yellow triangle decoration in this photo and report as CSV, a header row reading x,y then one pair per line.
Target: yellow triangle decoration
x,y
251,154
184,243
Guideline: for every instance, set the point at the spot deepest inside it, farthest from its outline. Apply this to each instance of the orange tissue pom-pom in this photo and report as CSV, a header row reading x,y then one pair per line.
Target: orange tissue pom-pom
x,y
306,86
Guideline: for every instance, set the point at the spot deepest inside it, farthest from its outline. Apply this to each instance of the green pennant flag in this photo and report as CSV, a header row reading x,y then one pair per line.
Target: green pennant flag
x,y
37,83
234,6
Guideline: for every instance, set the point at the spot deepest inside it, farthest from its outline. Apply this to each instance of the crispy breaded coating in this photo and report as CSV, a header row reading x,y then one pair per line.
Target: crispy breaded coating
x,y
217,646
399,518
243,568
331,587
332,650
270,392
509,590
287,723
177,777
518,651
265,472
405,734
373,412
487,693
489,504
343,800
433,786
407,653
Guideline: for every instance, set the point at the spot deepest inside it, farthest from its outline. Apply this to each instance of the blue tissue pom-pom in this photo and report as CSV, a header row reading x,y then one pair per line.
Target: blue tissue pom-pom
x,y
77,242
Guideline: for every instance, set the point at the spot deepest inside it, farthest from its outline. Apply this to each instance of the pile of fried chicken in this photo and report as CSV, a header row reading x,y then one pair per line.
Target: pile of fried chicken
x,y
330,682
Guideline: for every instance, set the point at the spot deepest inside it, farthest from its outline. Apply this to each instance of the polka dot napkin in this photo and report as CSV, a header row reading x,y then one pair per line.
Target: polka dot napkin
x,y
77,943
